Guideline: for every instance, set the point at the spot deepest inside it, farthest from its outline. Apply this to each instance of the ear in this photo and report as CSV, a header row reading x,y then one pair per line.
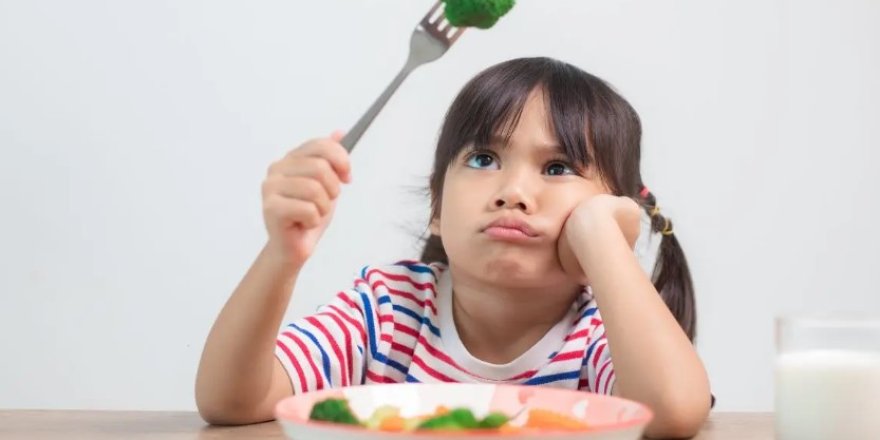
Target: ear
x,y
434,227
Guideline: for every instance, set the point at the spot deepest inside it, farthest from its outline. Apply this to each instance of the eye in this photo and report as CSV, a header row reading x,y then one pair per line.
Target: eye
x,y
482,161
559,169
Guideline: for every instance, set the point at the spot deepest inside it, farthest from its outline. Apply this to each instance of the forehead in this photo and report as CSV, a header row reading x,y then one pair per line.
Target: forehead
x,y
531,126
534,124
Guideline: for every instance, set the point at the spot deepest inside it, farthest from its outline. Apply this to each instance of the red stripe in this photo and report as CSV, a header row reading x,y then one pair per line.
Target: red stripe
x,y
386,318
334,344
437,354
440,355
404,278
608,383
402,348
405,330
319,380
583,383
526,375
359,326
347,300
568,355
598,354
579,334
379,378
406,295
599,376
299,371
431,372
349,374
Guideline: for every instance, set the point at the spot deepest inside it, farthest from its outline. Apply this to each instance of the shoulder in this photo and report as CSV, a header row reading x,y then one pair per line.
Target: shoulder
x,y
410,276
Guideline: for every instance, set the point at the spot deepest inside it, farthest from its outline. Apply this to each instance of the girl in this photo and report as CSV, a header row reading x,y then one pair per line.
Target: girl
x,y
536,204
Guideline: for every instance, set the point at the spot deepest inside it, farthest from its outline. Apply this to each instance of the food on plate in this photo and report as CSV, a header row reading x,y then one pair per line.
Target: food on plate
x,y
388,418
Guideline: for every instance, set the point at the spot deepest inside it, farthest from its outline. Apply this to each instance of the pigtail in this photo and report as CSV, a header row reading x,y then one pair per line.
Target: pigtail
x,y
671,276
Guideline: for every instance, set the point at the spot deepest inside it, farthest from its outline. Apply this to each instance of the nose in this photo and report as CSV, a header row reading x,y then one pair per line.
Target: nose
x,y
515,191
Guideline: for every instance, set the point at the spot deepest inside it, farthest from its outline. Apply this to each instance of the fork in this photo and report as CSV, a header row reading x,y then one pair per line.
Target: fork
x,y
431,38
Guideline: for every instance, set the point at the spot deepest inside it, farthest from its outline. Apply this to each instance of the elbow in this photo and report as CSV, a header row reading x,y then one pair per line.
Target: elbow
x,y
212,411
679,416
216,409
214,414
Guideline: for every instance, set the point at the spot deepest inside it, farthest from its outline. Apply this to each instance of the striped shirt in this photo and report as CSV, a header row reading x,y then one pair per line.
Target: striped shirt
x,y
395,325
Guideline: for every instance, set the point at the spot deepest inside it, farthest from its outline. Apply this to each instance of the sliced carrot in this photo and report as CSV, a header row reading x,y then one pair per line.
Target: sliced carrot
x,y
545,419
392,423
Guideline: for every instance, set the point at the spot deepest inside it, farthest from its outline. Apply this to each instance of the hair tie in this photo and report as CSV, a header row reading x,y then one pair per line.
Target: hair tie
x,y
655,211
644,193
667,228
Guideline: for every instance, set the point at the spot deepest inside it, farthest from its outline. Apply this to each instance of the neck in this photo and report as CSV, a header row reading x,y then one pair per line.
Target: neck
x,y
497,324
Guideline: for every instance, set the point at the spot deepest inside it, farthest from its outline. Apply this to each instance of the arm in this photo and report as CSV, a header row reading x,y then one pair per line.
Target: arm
x,y
239,378
654,362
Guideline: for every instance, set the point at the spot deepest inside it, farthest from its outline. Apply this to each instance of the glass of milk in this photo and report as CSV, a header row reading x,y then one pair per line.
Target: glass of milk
x,y
827,379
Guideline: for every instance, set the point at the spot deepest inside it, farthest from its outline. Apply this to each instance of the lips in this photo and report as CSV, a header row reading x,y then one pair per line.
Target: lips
x,y
510,229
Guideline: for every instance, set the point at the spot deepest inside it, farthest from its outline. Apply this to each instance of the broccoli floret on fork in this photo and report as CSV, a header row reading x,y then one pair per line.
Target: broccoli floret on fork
x,y
481,14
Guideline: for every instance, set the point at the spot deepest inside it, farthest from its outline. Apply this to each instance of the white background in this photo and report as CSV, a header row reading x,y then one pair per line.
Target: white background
x,y
134,137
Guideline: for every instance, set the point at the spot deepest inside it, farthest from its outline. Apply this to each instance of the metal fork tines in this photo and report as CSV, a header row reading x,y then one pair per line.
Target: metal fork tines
x,y
431,38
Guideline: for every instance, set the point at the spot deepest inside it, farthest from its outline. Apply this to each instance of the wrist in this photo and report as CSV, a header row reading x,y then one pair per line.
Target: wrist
x,y
280,262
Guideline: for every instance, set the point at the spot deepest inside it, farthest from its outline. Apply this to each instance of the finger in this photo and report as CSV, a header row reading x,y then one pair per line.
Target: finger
x,y
291,212
302,188
312,167
333,152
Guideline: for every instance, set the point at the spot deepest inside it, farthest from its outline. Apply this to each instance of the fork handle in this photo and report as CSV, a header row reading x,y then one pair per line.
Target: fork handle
x,y
351,138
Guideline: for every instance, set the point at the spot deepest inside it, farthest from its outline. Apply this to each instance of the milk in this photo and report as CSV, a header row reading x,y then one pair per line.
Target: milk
x,y
828,394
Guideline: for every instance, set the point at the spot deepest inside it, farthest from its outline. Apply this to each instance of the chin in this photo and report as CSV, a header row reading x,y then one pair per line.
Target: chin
x,y
518,271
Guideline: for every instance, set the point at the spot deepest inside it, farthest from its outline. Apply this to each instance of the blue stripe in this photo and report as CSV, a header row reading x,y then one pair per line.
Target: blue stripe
x,y
411,379
541,380
384,299
390,362
364,273
589,312
371,326
371,329
418,268
423,319
590,351
324,358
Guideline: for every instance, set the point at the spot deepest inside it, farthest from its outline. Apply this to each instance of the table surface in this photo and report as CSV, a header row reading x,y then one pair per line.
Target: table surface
x,y
99,425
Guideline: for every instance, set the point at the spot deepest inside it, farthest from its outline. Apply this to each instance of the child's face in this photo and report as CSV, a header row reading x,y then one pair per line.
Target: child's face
x,y
530,182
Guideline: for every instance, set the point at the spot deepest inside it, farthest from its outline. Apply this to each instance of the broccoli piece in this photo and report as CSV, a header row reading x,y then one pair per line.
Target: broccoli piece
x,y
455,420
482,14
494,421
333,410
